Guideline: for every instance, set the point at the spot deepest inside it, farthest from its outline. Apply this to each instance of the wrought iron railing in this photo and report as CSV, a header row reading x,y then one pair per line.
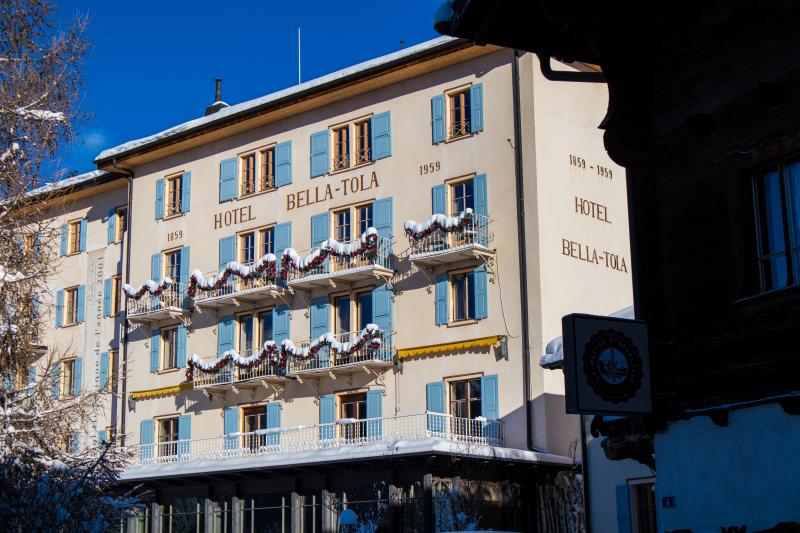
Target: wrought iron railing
x,y
363,156
231,374
348,432
476,231
235,285
458,129
173,208
175,296
341,162
328,358
333,264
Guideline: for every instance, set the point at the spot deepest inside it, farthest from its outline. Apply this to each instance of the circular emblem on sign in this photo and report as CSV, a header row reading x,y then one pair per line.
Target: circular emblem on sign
x,y
612,365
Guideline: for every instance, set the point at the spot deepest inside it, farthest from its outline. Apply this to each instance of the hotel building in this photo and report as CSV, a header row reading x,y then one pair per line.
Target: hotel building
x,y
339,294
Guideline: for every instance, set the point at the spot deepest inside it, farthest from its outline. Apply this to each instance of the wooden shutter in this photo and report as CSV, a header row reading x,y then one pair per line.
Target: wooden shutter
x,y
180,346
230,422
184,434
280,324
382,311
481,196
489,397
438,202
283,164
55,381
159,198
382,217
374,401
476,108
227,250
437,119
64,239
225,334
59,308
481,292
184,271
381,129
434,404
102,381
84,229
320,227
155,267
320,314
273,422
155,349
320,162
111,226
327,415
186,191
228,169
442,290
107,284
81,306
77,376
146,437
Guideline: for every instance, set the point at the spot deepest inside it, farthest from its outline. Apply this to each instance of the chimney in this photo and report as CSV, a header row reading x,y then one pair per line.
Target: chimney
x,y
218,103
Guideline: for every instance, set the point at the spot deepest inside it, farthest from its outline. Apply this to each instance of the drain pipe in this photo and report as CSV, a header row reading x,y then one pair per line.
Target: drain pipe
x,y
523,273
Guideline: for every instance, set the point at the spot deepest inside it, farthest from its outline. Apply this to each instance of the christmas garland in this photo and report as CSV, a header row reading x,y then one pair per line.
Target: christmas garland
x,y
369,337
266,267
366,245
150,286
438,222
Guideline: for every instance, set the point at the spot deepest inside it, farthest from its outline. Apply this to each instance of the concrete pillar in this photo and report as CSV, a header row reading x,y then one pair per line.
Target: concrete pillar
x,y
327,511
394,509
236,514
208,515
155,517
297,512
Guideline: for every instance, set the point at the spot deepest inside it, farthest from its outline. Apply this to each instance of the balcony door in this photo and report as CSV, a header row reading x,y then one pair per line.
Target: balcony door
x,y
353,409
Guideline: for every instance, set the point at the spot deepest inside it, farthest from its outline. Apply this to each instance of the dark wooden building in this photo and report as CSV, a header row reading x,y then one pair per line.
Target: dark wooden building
x,y
704,112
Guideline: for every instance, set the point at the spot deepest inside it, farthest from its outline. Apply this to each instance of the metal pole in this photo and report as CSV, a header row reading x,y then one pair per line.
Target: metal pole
x,y
298,55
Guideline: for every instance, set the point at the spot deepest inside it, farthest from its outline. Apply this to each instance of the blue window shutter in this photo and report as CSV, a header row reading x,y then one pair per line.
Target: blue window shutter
x,y
225,333
64,238
481,292
438,200
111,226
283,237
374,401
227,250
320,314
327,415
434,403
107,284
84,229
273,422
32,375
280,324
442,307
77,376
184,434
81,306
101,436
382,215
155,267
180,346
185,258
155,348
319,153
382,308
230,422
623,508
481,198
437,119
146,431
228,169
186,192
476,108
283,164
102,381
55,380
319,229
59,308
159,198
381,129
489,394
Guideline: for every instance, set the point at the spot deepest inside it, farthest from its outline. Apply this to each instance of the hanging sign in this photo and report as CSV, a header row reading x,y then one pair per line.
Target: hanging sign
x,y
606,365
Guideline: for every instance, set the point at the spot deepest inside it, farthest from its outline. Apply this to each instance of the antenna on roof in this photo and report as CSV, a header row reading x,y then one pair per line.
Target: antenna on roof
x,y
402,44
298,55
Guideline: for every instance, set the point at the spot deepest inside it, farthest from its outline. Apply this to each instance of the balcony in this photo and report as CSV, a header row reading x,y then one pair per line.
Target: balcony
x,y
233,376
342,434
341,354
173,301
237,290
444,240
330,265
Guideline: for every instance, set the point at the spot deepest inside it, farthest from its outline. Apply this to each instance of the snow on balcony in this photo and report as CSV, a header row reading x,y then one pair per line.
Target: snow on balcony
x,y
442,239
172,299
231,375
246,286
342,354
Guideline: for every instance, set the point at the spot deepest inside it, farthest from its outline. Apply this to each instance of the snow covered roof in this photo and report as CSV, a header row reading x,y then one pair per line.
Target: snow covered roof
x,y
256,104
71,182
345,453
553,357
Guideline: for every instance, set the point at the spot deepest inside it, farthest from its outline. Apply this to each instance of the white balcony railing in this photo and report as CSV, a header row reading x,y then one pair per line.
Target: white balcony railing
x,y
472,232
327,358
349,432
173,297
235,285
231,374
334,266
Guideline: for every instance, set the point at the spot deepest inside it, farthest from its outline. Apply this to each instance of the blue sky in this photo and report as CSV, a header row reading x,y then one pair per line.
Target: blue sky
x,y
152,64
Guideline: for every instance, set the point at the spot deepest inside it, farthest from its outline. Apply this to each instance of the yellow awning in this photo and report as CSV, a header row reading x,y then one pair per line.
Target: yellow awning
x,y
404,353
163,391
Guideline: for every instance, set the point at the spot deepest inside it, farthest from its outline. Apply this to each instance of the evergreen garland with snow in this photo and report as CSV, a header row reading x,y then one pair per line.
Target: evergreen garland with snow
x,y
366,246
266,267
149,287
438,222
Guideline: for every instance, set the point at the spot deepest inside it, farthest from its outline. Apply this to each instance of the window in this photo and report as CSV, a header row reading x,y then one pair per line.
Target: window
x,y
462,196
266,512
248,174
113,372
353,407
246,334
643,505
247,248
257,171
341,225
463,289
364,309
70,306
341,148
172,262
74,238
267,178
465,398
265,318
68,377
268,241
121,224
174,195
183,515
168,436
254,419
169,348
363,149
777,201
341,305
459,111
116,294
28,242
364,217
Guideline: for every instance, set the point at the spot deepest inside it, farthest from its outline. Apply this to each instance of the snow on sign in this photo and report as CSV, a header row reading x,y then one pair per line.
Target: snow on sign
x,y
606,365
